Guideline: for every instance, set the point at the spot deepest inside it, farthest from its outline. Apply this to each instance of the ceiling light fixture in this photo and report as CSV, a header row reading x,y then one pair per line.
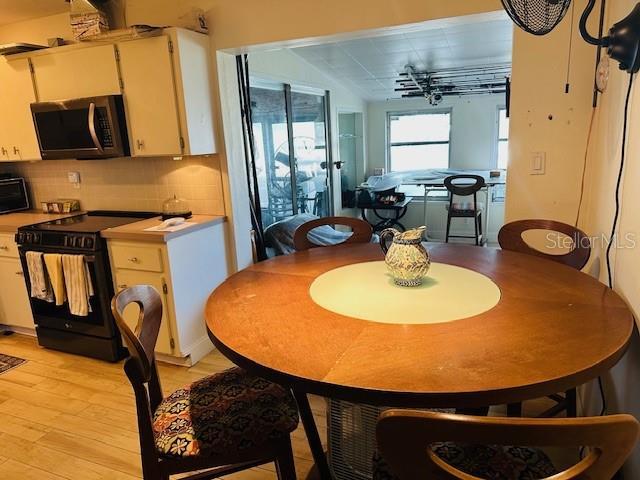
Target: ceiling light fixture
x,y
437,84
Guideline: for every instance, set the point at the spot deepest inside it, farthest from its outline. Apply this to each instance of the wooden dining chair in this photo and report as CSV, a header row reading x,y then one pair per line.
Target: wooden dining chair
x,y
464,209
419,444
362,231
510,238
224,423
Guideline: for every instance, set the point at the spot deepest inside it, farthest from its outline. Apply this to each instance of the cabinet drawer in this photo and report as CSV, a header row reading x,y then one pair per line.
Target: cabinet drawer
x,y
8,247
130,257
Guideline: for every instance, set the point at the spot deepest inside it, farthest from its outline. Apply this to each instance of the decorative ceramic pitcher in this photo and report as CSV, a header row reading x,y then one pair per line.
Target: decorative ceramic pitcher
x,y
407,260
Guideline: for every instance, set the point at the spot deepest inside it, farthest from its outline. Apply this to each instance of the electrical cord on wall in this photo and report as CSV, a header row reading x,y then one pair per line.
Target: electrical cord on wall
x,y
603,408
584,166
619,180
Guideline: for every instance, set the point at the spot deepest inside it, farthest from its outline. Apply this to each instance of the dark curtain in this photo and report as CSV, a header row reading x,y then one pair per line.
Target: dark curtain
x,y
242,63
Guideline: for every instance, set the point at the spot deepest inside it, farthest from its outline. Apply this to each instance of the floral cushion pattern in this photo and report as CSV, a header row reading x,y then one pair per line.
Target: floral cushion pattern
x,y
486,462
224,413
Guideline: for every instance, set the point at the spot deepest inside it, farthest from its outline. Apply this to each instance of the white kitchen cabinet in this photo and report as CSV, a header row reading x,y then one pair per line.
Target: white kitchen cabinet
x,y
149,93
76,72
191,61
184,270
167,88
18,139
15,310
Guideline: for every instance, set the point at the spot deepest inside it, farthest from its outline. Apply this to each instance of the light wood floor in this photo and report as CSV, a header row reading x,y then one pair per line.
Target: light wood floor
x,y
68,417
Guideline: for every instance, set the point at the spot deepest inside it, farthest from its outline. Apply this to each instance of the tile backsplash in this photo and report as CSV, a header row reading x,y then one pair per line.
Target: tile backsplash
x,y
127,183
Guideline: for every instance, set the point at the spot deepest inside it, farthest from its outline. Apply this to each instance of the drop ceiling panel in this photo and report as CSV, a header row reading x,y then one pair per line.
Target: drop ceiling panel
x,y
372,64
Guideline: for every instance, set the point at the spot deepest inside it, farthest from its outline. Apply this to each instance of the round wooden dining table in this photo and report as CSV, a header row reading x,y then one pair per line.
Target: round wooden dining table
x,y
328,321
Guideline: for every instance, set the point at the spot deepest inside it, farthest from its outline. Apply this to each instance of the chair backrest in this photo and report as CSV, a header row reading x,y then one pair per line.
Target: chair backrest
x,y
510,238
466,188
405,436
470,186
362,231
140,366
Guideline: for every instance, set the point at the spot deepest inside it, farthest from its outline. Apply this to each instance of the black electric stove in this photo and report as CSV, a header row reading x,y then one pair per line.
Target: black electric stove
x,y
96,334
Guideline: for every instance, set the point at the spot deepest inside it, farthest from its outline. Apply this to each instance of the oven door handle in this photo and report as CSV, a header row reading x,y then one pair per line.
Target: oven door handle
x,y
92,127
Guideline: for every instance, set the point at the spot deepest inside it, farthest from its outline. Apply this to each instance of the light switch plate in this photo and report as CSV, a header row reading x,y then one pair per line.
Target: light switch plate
x,y
538,163
73,177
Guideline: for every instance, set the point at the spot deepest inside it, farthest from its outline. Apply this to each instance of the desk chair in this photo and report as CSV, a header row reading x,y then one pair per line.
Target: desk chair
x,y
419,444
462,209
224,423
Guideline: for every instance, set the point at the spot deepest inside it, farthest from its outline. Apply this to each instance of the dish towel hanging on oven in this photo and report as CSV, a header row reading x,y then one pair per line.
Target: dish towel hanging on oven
x,y
40,286
53,261
78,283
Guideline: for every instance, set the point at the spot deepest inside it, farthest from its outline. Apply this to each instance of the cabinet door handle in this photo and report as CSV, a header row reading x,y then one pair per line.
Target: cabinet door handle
x,y
20,274
4,247
4,151
16,151
134,260
122,287
140,144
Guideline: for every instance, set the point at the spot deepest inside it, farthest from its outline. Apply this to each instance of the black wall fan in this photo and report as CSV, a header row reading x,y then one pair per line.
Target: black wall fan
x,y
539,17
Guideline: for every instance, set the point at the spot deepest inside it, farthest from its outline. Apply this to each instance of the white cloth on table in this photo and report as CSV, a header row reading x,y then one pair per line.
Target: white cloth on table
x,y
78,283
38,278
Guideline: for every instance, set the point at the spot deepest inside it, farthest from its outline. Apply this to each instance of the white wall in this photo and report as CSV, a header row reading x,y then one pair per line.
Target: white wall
x,y
474,129
621,385
546,119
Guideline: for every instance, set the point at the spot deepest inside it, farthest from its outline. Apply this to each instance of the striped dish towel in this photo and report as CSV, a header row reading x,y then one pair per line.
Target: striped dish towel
x,y
77,281
53,261
40,286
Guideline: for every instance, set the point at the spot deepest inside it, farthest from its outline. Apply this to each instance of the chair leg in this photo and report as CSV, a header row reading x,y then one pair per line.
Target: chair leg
x,y
285,464
571,399
448,228
476,227
514,410
479,220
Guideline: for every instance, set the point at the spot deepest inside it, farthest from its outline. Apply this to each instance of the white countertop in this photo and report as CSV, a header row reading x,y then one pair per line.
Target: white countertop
x,y
137,231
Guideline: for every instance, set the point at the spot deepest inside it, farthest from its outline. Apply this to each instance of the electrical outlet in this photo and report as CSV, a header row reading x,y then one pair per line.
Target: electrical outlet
x,y
74,178
538,163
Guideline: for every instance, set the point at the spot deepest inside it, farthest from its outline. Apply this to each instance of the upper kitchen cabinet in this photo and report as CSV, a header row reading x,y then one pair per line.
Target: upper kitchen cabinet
x,y
151,104
192,55
76,73
166,84
18,139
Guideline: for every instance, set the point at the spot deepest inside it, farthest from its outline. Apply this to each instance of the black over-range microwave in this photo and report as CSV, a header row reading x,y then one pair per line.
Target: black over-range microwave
x,y
82,128
13,195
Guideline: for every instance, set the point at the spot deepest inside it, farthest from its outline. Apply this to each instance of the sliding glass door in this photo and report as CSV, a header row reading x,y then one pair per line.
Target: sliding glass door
x,y
292,151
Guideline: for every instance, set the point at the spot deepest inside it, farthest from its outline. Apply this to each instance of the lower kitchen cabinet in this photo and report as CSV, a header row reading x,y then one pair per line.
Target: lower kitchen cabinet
x,y
184,270
15,310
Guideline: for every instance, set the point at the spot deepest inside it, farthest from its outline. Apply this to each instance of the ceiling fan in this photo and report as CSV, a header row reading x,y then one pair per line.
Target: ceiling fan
x,y
540,17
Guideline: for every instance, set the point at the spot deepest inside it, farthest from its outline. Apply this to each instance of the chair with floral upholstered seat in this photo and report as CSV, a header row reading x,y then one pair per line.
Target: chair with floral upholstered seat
x,y
439,446
224,423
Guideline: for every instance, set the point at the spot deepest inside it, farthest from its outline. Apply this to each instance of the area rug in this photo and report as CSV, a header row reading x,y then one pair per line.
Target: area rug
x,y
8,362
